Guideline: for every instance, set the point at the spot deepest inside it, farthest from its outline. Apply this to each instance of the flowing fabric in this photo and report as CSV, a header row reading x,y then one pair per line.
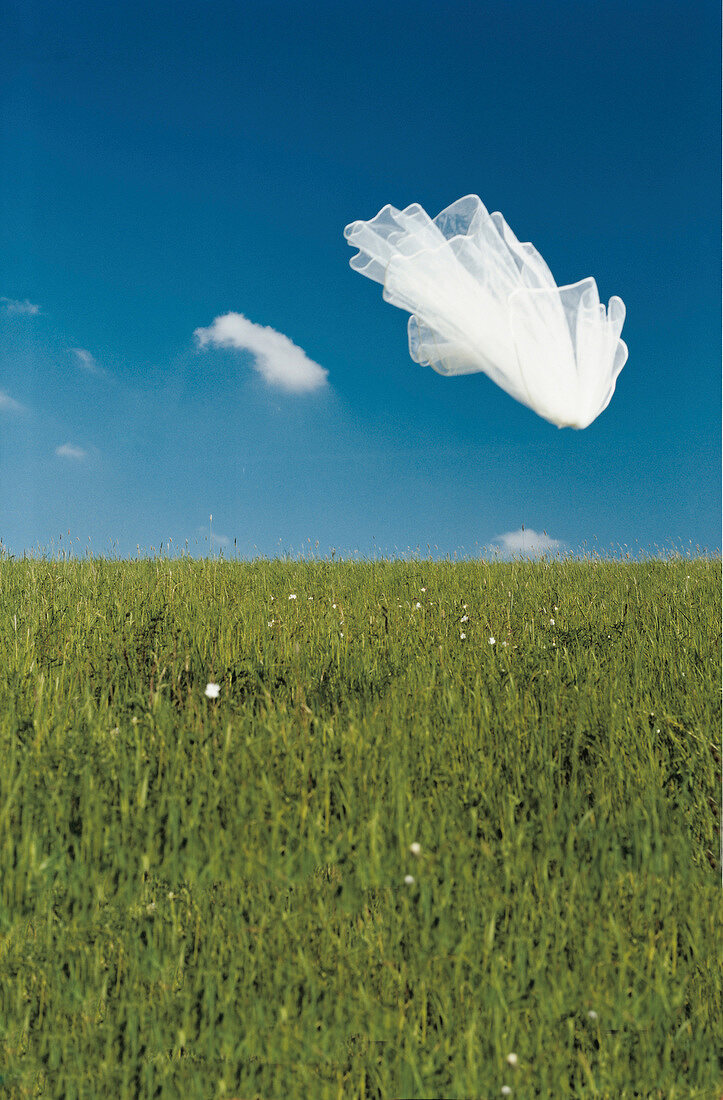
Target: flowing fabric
x,y
480,300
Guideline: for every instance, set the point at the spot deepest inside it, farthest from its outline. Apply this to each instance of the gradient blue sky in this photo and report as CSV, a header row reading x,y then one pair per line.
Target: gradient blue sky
x,y
167,163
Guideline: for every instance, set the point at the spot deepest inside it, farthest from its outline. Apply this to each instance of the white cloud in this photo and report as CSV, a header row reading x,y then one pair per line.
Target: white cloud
x,y
529,543
68,450
216,540
14,306
9,404
279,361
86,361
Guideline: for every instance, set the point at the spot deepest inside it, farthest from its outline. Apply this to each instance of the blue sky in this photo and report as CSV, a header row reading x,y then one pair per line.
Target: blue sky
x,y
169,163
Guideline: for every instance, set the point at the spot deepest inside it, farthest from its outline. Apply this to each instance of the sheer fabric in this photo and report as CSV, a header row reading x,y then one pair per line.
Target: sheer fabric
x,y
480,300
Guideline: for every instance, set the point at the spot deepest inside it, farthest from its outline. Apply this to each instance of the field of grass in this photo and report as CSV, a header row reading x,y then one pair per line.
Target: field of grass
x,y
449,829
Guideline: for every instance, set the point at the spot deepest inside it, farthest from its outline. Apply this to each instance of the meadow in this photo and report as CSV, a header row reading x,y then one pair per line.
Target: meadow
x,y
449,829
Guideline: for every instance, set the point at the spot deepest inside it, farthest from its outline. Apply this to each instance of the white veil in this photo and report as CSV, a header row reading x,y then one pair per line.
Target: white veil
x,y
480,300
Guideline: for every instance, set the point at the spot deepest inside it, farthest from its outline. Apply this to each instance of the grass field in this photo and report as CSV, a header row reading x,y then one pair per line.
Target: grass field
x,y
449,829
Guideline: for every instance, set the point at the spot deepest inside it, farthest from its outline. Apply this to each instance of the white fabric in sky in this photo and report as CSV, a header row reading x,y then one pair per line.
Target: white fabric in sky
x,y
480,300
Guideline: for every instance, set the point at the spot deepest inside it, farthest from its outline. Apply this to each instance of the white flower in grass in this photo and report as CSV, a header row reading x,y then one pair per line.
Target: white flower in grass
x,y
492,641
506,1090
463,636
512,1058
415,847
592,1014
409,880
292,596
212,691
424,590
464,619
418,604
552,622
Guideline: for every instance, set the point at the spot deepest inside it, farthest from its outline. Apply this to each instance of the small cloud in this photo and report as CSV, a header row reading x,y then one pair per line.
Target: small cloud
x,y
86,361
528,543
216,540
12,305
279,361
9,404
68,450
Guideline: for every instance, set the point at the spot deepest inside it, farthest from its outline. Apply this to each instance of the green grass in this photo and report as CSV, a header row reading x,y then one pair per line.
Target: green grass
x,y
206,898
